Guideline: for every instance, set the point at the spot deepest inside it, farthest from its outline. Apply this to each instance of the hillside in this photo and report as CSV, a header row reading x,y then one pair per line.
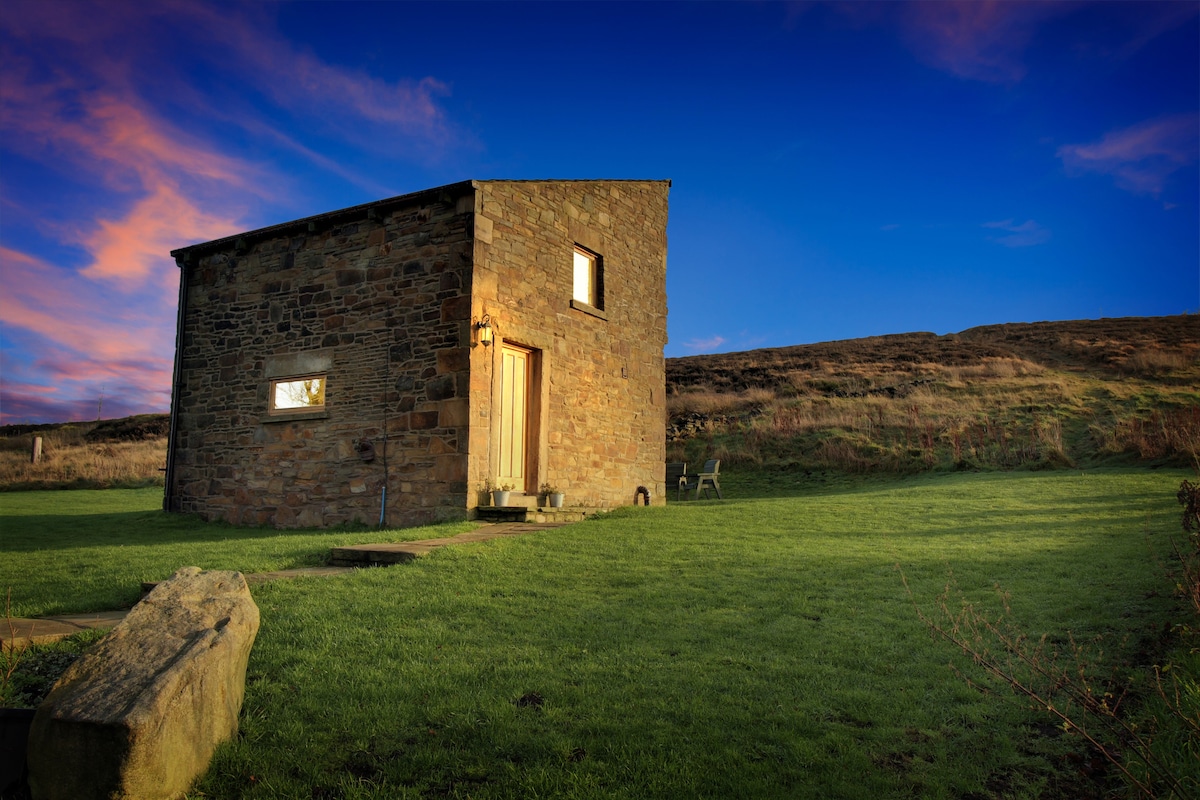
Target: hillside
x,y
125,452
1024,394
1033,395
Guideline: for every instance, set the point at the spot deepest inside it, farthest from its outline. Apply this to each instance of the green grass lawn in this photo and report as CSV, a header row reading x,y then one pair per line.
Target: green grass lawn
x,y
763,646
90,550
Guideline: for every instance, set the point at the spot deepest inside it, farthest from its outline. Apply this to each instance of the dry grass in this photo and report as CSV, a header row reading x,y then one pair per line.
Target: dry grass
x,y
1038,395
70,461
707,401
1154,361
1160,434
995,368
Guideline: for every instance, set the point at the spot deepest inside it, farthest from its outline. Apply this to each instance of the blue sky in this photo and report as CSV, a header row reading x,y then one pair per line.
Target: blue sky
x,y
839,169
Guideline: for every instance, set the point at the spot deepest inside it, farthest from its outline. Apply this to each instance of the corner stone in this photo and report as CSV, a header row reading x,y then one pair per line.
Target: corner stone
x,y
140,715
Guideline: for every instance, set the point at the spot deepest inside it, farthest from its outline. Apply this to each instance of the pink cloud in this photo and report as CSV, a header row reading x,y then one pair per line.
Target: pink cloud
x,y
121,132
57,305
136,246
1142,157
980,40
86,89
131,152
78,339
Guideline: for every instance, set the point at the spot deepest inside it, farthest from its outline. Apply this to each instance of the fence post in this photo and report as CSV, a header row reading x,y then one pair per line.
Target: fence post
x,y
36,455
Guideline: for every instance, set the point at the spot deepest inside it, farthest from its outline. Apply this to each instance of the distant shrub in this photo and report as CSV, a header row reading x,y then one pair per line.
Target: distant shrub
x,y
996,368
142,426
707,402
1161,434
1155,361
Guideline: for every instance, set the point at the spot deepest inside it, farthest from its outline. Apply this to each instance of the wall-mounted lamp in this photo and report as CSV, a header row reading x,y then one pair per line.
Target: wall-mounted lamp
x,y
484,326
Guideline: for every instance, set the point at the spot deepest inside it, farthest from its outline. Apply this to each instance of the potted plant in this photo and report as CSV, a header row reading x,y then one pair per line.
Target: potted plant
x,y
554,496
500,494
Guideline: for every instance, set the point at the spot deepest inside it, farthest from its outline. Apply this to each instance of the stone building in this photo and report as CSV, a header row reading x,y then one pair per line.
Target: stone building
x,y
387,362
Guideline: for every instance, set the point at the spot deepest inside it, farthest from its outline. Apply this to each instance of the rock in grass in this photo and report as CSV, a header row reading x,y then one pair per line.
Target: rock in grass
x,y
140,715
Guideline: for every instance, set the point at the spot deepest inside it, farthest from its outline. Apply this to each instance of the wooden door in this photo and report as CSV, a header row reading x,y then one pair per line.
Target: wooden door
x,y
514,417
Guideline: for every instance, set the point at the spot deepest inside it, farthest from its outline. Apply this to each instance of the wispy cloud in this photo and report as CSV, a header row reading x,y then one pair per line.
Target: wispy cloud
x,y
1023,234
351,104
92,92
1142,157
704,345
982,40
76,337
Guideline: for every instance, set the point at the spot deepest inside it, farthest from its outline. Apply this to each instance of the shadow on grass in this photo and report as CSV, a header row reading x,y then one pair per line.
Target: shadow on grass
x,y
44,532
766,483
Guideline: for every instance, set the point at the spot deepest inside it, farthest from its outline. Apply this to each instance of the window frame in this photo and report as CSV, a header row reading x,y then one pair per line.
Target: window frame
x,y
594,304
273,383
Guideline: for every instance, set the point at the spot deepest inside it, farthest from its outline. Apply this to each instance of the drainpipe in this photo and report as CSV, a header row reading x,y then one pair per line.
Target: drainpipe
x,y
387,385
176,384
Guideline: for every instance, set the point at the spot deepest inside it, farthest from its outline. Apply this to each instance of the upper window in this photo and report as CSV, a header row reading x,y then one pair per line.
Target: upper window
x,y
589,278
298,394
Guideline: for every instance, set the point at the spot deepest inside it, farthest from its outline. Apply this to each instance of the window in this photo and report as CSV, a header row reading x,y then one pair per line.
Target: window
x,y
589,279
290,395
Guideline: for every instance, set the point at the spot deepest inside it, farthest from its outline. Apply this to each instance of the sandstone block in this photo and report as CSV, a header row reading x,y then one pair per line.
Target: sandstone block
x,y
140,715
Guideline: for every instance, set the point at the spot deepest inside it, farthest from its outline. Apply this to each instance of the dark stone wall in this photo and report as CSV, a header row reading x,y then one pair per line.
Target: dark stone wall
x,y
380,302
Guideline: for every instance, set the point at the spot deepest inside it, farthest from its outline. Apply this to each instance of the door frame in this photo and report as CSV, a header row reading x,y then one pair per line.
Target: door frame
x,y
535,404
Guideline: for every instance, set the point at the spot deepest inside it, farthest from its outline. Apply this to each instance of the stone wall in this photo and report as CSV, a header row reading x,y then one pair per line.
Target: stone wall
x,y
382,299
602,414
378,298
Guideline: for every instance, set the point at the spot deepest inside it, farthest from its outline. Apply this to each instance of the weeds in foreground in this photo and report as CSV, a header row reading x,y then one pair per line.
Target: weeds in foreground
x,y
1064,684
11,653
1187,557
41,666
1070,686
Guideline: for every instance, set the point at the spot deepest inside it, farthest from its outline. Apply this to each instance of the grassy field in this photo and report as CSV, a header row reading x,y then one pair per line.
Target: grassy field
x,y
90,550
763,646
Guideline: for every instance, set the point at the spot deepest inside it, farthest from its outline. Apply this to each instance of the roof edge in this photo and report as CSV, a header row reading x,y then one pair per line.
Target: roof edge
x,y
454,190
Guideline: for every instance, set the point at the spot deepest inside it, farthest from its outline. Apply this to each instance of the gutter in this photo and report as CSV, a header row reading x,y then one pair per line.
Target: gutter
x,y
170,503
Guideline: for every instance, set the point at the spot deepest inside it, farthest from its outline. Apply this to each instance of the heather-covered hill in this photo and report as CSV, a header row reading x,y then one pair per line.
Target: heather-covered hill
x,y
1020,394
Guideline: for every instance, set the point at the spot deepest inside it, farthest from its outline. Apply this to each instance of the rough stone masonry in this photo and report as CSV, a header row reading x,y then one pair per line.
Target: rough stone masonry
x,y
383,303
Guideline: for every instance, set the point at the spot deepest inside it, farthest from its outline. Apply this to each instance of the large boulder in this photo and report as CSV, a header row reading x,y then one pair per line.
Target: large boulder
x,y
140,714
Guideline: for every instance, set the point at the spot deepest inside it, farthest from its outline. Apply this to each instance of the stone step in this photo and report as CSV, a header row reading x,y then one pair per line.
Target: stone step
x,y
518,500
533,514
379,555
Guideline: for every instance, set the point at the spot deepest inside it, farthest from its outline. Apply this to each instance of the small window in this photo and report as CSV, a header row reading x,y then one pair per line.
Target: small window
x,y
589,278
298,394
